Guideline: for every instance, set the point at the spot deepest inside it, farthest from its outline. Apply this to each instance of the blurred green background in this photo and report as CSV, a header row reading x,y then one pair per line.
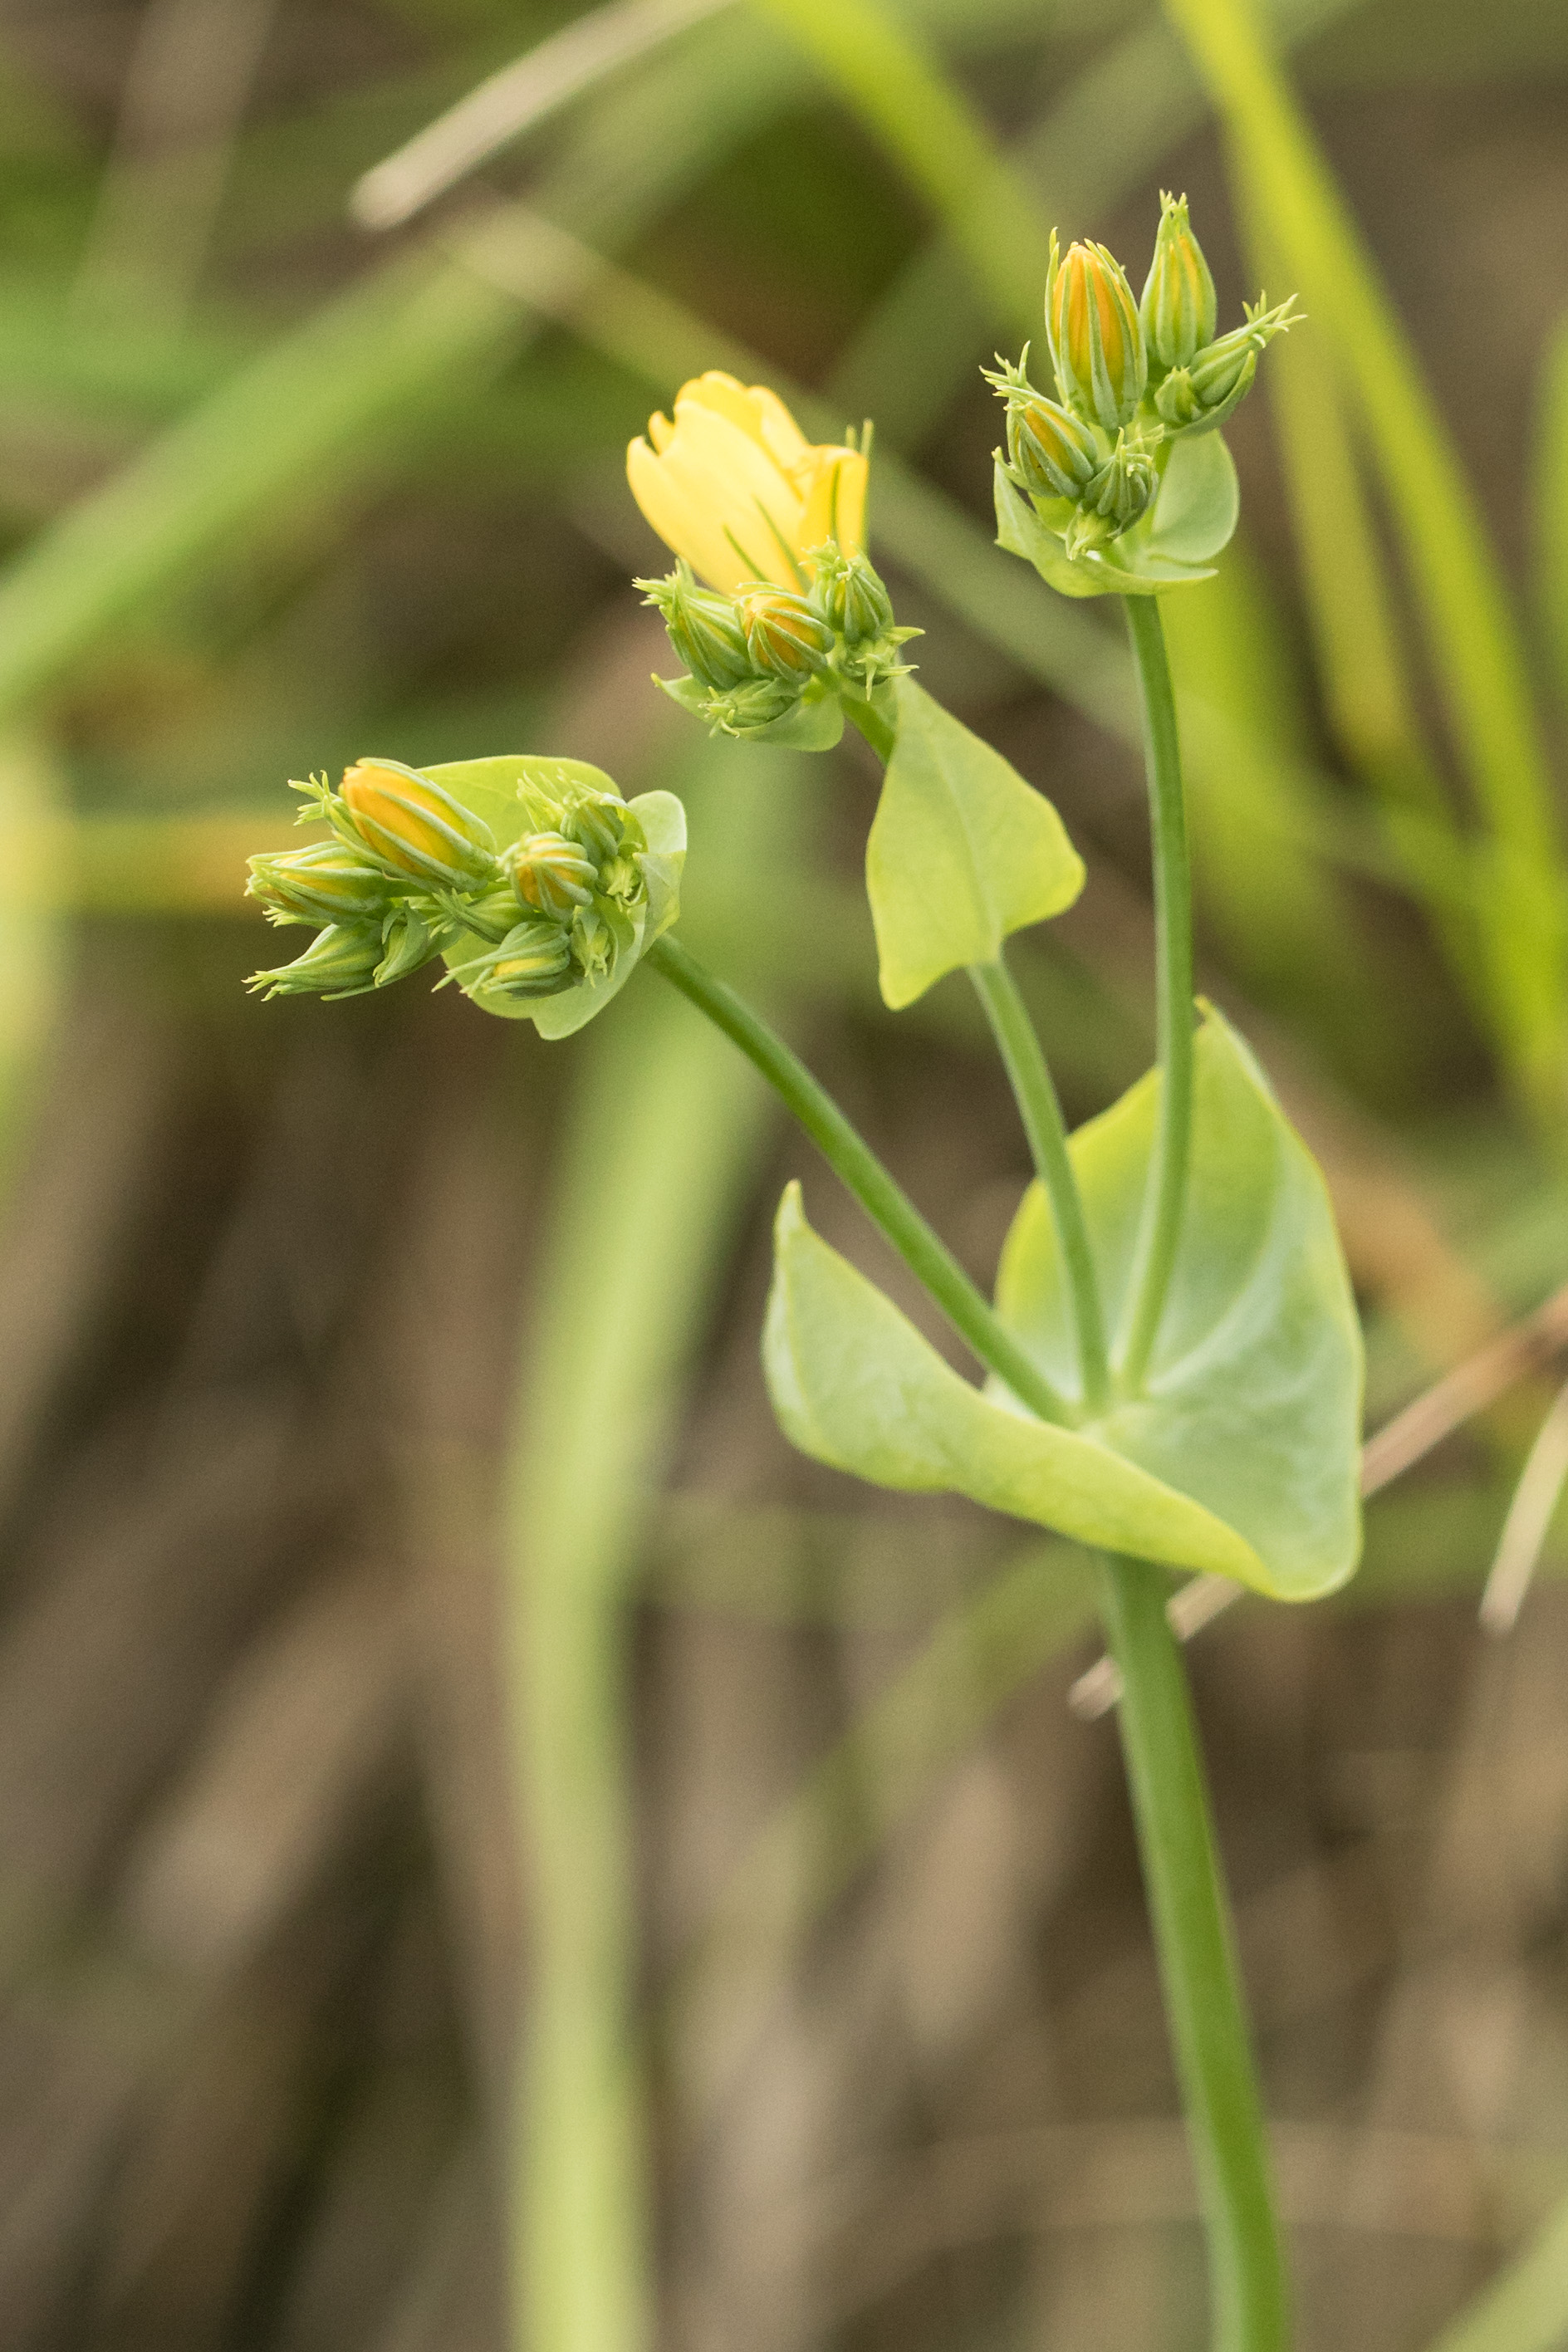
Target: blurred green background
x,y
474,1807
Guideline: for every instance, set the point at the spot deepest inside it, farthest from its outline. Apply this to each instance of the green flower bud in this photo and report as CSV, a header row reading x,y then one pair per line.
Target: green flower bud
x,y
409,943
1095,336
1053,453
603,824
1198,398
1119,493
341,960
533,960
324,884
784,636
550,875
1179,308
848,595
704,628
594,944
748,709
410,825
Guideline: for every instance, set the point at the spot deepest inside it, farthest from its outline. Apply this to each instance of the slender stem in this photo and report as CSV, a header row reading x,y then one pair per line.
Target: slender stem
x,y
851,1158
1198,1969
865,715
1041,1113
1029,1074
1161,1229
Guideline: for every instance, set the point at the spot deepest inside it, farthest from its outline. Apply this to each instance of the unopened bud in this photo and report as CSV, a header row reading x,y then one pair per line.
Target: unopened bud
x,y
784,635
848,593
341,960
704,628
601,823
324,884
1053,453
413,825
533,960
551,876
593,944
1179,308
409,945
1119,493
1095,333
1198,398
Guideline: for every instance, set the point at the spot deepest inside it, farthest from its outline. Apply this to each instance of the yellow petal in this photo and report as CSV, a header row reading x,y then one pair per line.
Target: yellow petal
x,y
660,431
716,497
835,500
759,414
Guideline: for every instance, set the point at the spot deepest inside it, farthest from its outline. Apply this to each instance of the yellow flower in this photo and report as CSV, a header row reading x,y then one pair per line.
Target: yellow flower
x,y
734,486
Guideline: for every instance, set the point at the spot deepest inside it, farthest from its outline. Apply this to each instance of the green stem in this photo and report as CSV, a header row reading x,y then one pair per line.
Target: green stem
x,y
879,732
1198,1968
1161,1229
1029,1074
1041,1113
851,1158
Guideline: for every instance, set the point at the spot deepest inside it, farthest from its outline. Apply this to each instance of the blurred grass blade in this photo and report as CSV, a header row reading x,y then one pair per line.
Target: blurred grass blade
x,y
896,84
1477,653
515,99
658,1154
1289,933
1526,2308
1550,506
869,1783
319,398
1360,663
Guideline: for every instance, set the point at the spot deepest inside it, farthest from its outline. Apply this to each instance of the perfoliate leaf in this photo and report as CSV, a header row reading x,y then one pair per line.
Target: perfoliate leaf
x,y
961,851
1192,516
1252,1400
1240,1457
854,1384
489,787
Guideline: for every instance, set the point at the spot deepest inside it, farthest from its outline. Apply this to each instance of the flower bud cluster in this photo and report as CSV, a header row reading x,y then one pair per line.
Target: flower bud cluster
x,y
754,654
410,872
1131,377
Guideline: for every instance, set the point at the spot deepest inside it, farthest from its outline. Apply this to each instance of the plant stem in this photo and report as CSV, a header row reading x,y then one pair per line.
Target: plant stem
x,y
1029,1074
1041,1113
1161,1229
865,715
851,1158
1198,1969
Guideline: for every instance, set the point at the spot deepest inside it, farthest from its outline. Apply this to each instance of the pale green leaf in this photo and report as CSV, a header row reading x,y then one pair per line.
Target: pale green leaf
x,y
855,1385
1252,1402
489,787
962,852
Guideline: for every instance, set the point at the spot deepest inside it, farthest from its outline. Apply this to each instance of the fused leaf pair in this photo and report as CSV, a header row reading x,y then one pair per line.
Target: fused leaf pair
x,y
1237,1457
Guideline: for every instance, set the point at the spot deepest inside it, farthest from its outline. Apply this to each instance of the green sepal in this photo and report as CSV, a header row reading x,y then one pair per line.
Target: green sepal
x,y
814,721
1251,1405
816,724
855,1385
1192,516
961,851
491,788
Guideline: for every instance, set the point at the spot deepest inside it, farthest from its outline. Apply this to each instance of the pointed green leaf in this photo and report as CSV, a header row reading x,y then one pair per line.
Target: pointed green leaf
x,y
1252,1404
489,787
961,851
855,1385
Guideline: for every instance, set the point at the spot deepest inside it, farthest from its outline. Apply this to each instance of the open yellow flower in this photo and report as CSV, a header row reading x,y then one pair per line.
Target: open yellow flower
x,y
734,486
